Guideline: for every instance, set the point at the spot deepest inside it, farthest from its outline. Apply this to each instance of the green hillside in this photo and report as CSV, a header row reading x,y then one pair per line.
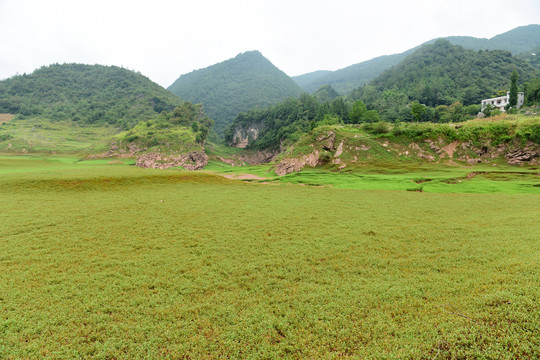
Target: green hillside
x,y
518,40
509,141
234,86
86,94
442,74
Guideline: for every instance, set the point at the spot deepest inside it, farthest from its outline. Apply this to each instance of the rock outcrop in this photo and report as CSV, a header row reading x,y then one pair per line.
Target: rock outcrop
x,y
242,137
529,154
288,166
194,160
250,158
191,160
327,141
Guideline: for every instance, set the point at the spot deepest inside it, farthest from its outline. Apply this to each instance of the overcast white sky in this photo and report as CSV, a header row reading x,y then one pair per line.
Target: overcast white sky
x,y
164,38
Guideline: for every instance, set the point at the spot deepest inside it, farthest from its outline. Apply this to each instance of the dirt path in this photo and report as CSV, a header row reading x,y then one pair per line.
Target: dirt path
x,y
4,118
244,177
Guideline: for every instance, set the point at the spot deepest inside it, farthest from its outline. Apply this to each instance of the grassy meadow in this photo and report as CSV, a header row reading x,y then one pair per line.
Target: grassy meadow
x,y
401,176
107,261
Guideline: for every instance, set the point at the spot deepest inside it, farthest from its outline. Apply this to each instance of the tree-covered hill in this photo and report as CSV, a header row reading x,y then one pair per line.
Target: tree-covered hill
x,y
234,86
443,74
88,94
518,40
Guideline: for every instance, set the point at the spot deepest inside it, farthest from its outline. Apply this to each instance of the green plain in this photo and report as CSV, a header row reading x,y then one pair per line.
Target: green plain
x,y
110,261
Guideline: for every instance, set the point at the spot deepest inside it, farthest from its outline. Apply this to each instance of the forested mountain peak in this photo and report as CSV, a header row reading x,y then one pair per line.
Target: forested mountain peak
x,y
89,94
235,85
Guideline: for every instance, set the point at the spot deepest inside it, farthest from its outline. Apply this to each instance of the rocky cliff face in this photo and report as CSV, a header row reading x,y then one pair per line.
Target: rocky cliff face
x,y
243,136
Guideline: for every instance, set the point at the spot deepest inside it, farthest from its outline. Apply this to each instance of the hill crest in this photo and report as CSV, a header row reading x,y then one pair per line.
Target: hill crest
x,y
234,86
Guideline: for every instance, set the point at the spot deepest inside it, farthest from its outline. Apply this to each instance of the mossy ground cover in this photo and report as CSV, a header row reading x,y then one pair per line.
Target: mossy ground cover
x,y
401,175
111,261
437,179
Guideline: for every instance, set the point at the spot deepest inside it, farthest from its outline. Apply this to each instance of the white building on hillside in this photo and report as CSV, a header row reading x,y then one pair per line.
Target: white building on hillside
x,y
501,101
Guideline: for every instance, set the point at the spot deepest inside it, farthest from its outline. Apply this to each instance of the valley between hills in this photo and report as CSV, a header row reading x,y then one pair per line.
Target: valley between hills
x,y
378,211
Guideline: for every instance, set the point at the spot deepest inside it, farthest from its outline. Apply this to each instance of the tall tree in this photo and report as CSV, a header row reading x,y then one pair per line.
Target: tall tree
x,y
417,110
512,102
358,112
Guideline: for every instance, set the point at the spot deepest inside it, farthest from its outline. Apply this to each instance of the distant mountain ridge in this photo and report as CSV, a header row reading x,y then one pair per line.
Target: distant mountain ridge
x,y
347,79
518,40
234,86
305,79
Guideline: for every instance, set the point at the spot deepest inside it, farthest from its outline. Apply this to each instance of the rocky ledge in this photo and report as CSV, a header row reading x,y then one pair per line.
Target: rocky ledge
x,y
194,160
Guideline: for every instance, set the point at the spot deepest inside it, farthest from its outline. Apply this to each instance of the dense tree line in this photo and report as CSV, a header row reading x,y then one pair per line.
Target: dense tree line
x,y
532,91
288,120
88,94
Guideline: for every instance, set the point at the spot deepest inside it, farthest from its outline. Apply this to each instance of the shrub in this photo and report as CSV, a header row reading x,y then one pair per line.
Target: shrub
x,y
377,128
381,127
131,138
325,157
529,132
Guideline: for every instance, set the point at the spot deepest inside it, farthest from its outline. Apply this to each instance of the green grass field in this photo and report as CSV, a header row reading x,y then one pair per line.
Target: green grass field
x,y
402,177
103,260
